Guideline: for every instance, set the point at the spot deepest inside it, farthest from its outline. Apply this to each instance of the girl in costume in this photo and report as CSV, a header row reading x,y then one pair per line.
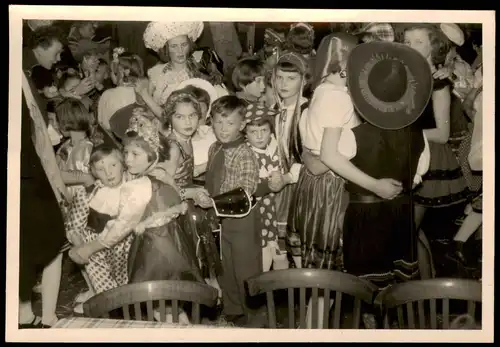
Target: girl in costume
x,y
444,183
181,116
320,198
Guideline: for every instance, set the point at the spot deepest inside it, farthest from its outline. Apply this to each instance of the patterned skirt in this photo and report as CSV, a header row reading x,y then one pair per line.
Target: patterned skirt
x,y
383,249
107,269
444,184
316,218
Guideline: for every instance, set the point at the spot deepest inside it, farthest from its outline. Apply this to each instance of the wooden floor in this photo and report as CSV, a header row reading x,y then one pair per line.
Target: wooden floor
x,y
439,224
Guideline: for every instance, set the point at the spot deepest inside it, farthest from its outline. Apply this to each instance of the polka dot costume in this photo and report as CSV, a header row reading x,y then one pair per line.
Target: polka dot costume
x,y
266,206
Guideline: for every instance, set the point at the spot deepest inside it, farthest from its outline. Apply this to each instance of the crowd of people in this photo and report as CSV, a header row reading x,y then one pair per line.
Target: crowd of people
x,y
330,154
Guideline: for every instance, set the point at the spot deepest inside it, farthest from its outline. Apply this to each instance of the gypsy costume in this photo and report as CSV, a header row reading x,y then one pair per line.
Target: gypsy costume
x,y
383,250
444,184
320,200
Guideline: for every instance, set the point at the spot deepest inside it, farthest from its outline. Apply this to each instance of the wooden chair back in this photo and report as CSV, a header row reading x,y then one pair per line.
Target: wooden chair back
x,y
332,284
152,293
432,300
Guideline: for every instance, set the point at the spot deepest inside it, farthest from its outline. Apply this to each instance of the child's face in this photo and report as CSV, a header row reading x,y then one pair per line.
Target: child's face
x,y
419,40
87,30
287,84
259,136
102,73
228,128
109,170
71,84
136,159
256,88
185,119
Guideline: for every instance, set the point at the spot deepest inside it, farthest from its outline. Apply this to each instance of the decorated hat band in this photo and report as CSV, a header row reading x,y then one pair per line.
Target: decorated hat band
x,y
406,102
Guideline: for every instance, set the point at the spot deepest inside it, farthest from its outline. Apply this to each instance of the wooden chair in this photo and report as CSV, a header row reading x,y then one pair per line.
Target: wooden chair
x,y
152,292
316,279
437,292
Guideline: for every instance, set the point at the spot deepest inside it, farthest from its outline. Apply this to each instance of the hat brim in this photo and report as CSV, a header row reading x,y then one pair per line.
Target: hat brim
x,y
395,115
119,121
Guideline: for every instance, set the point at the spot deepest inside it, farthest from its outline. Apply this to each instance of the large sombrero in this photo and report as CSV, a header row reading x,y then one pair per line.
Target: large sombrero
x,y
390,83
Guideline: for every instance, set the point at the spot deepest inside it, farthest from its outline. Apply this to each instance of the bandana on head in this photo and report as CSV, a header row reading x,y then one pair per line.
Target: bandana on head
x,y
257,112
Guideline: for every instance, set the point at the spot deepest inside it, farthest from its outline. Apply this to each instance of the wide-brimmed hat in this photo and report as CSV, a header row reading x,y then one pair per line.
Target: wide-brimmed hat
x,y
203,84
453,33
157,34
120,121
390,83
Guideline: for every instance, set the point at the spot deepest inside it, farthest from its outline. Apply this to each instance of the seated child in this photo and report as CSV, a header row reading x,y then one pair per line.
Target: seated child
x,y
248,79
93,212
259,132
231,165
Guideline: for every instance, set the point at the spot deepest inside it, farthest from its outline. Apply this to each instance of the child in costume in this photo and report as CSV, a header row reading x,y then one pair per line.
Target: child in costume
x,y
248,79
260,136
232,165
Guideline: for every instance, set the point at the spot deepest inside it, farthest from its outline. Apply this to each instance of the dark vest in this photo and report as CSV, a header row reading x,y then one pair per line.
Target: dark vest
x,y
387,154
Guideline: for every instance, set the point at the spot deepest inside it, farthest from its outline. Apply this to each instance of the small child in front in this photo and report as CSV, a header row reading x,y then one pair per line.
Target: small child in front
x,y
232,164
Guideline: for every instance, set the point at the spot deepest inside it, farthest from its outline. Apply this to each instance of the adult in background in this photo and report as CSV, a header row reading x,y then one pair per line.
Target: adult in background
x,y
42,190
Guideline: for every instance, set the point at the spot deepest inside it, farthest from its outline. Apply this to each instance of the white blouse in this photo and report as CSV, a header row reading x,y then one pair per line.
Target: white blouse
x,y
202,140
331,107
127,203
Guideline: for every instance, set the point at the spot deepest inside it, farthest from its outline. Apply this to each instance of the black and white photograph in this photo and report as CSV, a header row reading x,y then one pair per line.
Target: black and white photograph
x,y
318,177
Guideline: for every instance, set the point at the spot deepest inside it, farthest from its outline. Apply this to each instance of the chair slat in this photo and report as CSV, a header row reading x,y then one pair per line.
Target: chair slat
x,y
163,311
401,321
149,310
195,313
471,308
271,310
338,305
409,315
138,295
175,311
326,309
314,308
302,308
356,313
433,314
421,314
137,311
291,308
126,312
446,313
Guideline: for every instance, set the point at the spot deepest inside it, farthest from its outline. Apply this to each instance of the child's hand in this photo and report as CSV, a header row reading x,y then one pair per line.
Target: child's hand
x,y
75,239
202,199
163,176
276,181
79,255
442,73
